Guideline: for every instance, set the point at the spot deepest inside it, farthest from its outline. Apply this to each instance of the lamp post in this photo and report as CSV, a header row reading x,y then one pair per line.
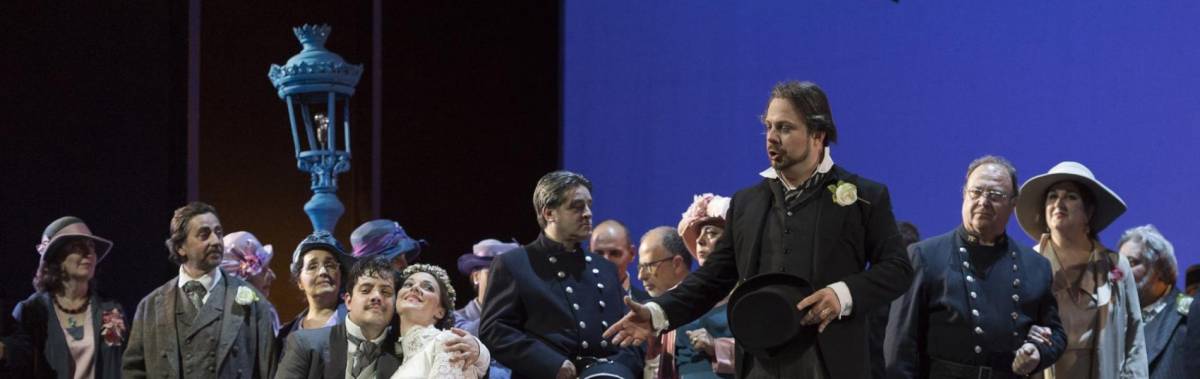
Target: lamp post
x,y
317,85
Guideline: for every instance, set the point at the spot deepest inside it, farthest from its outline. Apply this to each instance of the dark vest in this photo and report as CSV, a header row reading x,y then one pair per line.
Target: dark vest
x,y
789,235
198,334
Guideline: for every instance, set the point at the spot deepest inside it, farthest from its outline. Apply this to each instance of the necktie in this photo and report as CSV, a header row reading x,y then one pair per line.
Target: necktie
x,y
195,293
366,355
666,360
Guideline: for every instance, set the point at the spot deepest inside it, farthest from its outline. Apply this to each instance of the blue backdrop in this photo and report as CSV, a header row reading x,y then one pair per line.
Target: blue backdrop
x,y
661,99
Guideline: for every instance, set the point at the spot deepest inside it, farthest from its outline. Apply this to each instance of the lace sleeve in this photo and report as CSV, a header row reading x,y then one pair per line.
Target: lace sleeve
x,y
441,366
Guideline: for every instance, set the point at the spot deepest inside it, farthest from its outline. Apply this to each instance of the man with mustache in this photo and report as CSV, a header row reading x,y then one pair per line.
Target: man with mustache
x,y
549,301
807,217
981,304
364,344
203,323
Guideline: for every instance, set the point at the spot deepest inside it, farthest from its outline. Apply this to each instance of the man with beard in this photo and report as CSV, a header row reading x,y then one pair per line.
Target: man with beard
x,y
1164,307
549,301
663,262
363,344
809,218
981,304
203,323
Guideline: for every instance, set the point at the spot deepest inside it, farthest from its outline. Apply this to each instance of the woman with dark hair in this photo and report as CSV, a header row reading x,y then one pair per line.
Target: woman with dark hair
x,y
318,266
1064,210
66,329
425,304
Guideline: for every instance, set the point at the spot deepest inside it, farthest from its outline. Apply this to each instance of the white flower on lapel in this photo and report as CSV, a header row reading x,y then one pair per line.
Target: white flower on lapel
x,y
844,193
245,296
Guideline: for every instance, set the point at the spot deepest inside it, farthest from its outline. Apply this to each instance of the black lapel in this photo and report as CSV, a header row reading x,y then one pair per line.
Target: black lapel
x,y
337,352
757,213
56,340
97,337
830,220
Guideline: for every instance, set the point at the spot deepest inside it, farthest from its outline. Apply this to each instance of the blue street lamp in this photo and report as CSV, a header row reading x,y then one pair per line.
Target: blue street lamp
x,y
317,85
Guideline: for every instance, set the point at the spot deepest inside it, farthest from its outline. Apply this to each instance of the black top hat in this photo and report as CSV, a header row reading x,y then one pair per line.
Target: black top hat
x,y
763,316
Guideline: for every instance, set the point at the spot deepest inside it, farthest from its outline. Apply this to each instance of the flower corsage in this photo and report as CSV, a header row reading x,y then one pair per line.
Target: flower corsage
x,y
844,193
245,296
112,327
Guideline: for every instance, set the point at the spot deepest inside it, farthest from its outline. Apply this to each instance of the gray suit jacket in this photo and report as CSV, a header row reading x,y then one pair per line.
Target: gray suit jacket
x,y
1165,337
246,348
321,353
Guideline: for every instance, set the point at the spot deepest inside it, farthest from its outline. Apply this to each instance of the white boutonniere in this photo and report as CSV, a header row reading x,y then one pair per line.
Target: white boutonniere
x,y
245,296
844,193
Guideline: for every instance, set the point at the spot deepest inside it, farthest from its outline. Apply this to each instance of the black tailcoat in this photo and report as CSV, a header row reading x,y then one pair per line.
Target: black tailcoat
x,y
844,241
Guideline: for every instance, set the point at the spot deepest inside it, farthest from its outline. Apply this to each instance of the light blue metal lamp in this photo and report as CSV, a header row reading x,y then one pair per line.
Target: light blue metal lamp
x,y
317,85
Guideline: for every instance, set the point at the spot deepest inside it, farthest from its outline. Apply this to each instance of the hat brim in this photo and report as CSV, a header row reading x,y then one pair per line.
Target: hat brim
x,y
1031,203
53,249
410,250
469,263
741,317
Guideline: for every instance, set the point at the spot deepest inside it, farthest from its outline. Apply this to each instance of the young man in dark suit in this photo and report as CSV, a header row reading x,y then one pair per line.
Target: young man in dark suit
x,y
364,344
204,323
808,217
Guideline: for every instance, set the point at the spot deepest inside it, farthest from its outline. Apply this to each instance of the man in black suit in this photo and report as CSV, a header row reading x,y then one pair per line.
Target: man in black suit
x,y
549,301
611,240
807,217
364,345
977,294
1164,307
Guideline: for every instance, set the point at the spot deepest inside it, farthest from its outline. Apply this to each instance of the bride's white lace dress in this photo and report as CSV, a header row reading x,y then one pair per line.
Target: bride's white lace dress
x,y
425,356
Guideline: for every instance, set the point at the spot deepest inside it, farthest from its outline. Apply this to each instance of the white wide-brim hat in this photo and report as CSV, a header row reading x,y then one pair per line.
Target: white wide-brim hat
x,y
1031,203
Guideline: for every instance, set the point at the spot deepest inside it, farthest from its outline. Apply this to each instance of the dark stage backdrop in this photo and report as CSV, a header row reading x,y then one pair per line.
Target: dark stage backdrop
x,y
662,99
98,103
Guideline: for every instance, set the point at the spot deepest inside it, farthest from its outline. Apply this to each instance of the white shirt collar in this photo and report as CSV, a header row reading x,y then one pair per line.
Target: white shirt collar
x,y
208,280
824,167
356,331
1155,308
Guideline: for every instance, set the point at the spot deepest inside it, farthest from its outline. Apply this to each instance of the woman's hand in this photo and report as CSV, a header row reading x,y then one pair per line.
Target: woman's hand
x,y
702,341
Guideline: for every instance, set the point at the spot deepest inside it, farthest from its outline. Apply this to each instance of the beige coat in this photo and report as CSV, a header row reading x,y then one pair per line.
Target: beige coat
x,y
1120,345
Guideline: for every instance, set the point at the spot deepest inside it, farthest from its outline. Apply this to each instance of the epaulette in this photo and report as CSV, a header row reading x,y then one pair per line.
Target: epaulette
x,y
1182,303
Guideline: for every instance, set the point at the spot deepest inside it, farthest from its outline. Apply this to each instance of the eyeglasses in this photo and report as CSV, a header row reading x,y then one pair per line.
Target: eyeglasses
x,y
329,266
991,195
651,267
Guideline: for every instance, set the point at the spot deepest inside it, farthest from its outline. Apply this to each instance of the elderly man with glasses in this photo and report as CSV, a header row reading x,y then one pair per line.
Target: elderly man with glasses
x,y
981,304
663,262
1164,307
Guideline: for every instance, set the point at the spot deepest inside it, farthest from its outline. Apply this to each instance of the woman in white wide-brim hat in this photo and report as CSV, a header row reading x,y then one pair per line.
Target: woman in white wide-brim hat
x,y
1064,210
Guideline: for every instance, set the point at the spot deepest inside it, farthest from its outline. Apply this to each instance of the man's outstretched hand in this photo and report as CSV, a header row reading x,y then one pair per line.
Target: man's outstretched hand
x,y
633,329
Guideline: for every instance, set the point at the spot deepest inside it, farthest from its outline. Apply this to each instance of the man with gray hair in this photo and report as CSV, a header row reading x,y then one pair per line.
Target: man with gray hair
x,y
1164,307
663,262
